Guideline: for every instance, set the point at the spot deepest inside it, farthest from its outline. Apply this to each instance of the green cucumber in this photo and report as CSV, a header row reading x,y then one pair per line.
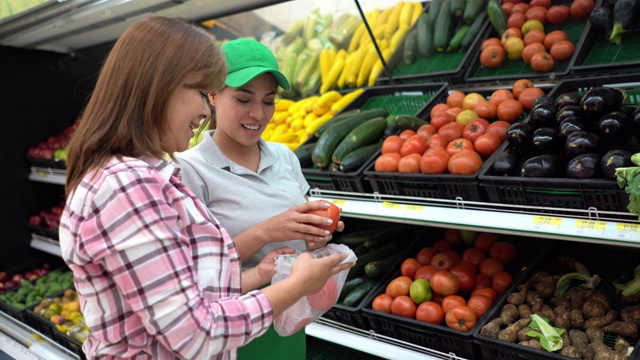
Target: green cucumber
x,y
434,9
336,119
410,47
356,295
376,254
355,159
457,7
303,152
363,134
350,285
425,36
380,267
476,26
472,10
361,250
356,238
443,27
456,40
497,18
329,140
409,122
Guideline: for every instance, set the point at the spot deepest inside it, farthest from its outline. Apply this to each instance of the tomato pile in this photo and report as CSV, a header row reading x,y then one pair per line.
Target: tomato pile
x,y
462,131
453,281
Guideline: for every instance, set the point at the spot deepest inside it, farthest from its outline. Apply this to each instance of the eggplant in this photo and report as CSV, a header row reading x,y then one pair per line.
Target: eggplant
x,y
545,140
624,12
629,110
542,115
568,111
581,142
614,159
544,166
615,126
506,162
570,125
545,99
519,135
635,118
569,98
601,20
583,166
600,100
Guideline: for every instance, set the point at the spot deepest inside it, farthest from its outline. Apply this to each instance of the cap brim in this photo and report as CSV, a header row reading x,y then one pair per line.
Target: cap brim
x,y
243,76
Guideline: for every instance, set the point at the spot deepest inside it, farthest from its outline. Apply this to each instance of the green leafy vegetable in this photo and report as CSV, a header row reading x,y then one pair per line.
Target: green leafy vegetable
x,y
549,336
630,287
627,178
582,274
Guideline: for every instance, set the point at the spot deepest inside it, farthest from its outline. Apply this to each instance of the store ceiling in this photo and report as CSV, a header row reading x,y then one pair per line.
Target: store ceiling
x,y
69,25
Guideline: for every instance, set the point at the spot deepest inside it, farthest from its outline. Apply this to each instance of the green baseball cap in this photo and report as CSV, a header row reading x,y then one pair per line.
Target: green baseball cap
x,y
248,58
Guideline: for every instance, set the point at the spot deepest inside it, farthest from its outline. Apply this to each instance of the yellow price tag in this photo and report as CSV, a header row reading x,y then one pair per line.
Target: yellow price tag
x,y
628,228
339,202
590,225
414,207
547,220
392,206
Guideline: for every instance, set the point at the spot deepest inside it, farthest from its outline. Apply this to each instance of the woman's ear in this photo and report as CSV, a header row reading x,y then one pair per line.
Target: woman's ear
x,y
212,98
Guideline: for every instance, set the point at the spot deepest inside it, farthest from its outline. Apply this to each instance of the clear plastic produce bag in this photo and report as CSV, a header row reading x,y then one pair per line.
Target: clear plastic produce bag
x,y
311,307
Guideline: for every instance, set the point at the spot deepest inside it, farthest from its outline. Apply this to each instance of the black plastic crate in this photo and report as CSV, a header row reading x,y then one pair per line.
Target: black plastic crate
x,y
352,315
44,231
47,163
437,186
596,54
446,67
441,337
69,343
397,100
513,70
598,259
552,193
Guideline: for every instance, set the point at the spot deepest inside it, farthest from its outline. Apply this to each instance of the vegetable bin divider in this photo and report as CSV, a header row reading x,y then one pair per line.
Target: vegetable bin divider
x,y
598,259
396,100
554,193
440,337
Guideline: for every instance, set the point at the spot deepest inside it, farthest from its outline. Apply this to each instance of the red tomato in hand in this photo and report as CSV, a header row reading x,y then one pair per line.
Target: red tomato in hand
x,y
444,283
461,317
504,252
430,312
332,212
404,306
382,303
466,277
501,281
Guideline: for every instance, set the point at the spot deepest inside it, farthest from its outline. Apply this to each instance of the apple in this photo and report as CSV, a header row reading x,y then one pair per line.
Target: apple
x,y
35,220
3,276
17,278
30,275
41,271
10,283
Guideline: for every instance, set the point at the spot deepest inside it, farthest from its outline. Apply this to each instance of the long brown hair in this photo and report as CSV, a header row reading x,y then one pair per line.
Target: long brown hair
x,y
127,111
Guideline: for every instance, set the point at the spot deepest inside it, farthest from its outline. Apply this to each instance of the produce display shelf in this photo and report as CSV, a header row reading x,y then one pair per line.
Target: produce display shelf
x,y
45,244
48,175
596,53
554,193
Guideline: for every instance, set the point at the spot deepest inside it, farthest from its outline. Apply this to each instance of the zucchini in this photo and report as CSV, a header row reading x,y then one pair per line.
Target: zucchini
x,y
476,26
497,18
356,295
376,254
456,40
434,9
361,250
425,36
355,159
362,135
472,10
356,238
329,140
303,152
443,27
380,267
410,47
408,122
336,119
350,285
457,8
392,129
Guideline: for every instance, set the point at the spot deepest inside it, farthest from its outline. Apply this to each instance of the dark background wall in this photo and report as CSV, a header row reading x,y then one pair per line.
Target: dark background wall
x,y
41,93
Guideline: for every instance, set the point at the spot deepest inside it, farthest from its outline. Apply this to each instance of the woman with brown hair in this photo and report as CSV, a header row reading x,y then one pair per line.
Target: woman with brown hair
x,y
157,275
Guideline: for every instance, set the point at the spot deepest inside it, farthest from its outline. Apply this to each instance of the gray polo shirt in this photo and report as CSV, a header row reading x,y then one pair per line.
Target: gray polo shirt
x,y
240,198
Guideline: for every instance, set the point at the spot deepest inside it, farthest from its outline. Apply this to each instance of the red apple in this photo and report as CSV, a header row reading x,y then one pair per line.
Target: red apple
x,y
30,275
10,284
3,276
17,278
41,271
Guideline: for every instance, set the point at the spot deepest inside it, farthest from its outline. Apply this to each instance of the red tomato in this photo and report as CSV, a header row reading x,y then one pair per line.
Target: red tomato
x,y
442,261
436,141
426,131
441,245
487,144
410,164
490,266
458,145
558,14
425,272
474,256
487,291
451,131
473,268
430,312
409,267
414,144
501,281
562,50
434,160
392,144
332,212
482,281
484,241
404,306
504,252
439,120
466,162
466,277
485,110
453,237
510,110
542,62
580,9
520,85
543,3
455,257
479,304
425,255
399,286
437,298
382,303
438,109
461,317
452,300
499,128
324,299
387,162
405,134
444,283
529,96
536,13
475,128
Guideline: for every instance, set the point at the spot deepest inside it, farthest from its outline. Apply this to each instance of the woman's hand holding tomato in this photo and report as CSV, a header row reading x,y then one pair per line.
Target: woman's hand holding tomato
x,y
332,212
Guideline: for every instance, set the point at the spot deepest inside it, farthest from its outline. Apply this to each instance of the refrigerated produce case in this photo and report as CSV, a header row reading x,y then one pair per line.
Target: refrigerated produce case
x,y
47,77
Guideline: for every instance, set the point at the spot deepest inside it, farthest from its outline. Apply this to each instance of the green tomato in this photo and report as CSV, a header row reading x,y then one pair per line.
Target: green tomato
x,y
468,236
420,291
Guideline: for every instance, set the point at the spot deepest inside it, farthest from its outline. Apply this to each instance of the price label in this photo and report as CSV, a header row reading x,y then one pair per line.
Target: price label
x,y
413,207
628,231
590,227
391,206
546,222
339,202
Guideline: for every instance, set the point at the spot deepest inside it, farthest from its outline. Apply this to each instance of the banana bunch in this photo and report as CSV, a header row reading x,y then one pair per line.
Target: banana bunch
x,y
293,122
358,64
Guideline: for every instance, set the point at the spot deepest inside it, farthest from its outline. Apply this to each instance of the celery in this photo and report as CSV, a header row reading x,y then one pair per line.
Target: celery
x,y
582,274
631,287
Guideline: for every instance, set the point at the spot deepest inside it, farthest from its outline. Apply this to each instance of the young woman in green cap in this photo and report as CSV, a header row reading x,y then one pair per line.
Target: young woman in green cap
x,y
256,189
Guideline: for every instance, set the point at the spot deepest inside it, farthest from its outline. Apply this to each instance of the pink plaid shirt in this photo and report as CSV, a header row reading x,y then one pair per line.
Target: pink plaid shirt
x,y
158,278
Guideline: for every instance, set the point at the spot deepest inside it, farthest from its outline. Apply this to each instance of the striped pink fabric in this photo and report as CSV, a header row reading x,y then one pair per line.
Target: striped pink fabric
x,y
158,277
